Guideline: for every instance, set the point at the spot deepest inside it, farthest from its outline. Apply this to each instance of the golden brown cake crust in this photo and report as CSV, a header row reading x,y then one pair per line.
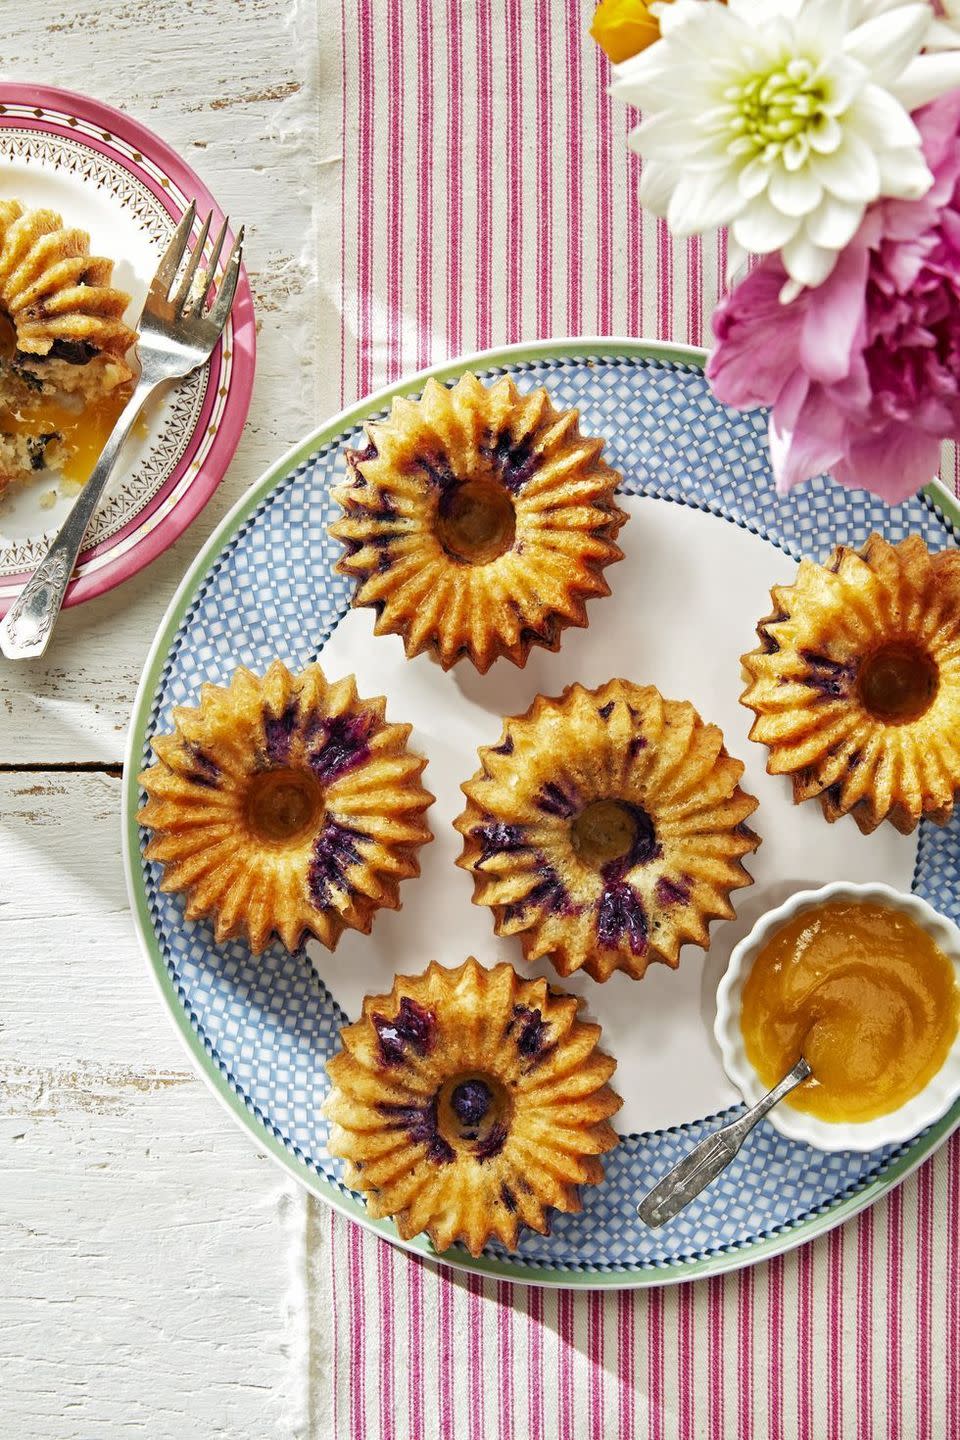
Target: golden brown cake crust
x,y
855,685
607,829
57,295
285,805
469,1103
478,522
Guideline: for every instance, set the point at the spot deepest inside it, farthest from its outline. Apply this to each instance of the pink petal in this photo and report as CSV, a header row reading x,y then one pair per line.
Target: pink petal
x,y
812,445
834,318
938,124
894,463
757,340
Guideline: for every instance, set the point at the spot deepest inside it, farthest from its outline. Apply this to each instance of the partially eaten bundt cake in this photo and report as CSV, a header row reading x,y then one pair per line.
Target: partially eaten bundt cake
x,y
64,376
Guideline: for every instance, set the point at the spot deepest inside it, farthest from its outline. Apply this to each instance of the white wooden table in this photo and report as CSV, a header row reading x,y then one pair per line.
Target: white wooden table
x,y
149,1256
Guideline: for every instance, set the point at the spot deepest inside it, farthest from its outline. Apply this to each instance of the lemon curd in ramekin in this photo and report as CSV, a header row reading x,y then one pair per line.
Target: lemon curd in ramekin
x,y
868,998
864,981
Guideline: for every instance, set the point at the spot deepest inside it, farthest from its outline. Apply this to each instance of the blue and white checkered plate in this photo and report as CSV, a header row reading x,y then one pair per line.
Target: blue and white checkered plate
x,y
706,538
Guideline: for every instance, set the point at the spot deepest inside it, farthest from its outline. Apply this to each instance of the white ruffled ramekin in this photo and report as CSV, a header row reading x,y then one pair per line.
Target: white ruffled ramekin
x,y
937,1095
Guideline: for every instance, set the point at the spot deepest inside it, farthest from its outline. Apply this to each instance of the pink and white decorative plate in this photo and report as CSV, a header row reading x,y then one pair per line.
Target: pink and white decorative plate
x,y
110,175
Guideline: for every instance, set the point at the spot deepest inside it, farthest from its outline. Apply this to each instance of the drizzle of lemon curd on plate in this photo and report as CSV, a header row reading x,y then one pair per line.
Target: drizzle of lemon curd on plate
x,y
82,425
865,994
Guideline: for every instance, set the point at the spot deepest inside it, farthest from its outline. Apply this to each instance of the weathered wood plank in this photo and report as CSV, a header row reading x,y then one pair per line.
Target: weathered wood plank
x,y
146,1246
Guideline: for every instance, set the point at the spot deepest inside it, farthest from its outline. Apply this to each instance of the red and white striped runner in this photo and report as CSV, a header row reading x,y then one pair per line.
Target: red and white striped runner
x,y
855,1336
488,196
488,193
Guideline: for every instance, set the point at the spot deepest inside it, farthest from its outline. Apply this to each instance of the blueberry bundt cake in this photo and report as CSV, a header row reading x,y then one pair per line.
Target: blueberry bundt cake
x,y
856,683
478,522
471,1102
285,805
62,347
606,829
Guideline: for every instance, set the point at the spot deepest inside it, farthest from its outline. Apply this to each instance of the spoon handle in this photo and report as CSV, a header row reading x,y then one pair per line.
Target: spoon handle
x,y
704,1163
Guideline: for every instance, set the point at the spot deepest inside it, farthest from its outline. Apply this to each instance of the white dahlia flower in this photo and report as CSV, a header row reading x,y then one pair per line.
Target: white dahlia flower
x,y
785,119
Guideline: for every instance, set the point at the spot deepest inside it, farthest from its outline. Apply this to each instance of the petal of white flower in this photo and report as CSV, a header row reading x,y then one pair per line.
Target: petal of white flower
x,y
656,186
942,36
789,291
753,178
673,17
842,80
861,10
796,152
665,129
702,202
927,77
851,173
834,223
887,42
763,228
882,121
646,68
722,117
904,174
825,135
794,192
633,81
944,33
708,34
758,12
822,24
806,262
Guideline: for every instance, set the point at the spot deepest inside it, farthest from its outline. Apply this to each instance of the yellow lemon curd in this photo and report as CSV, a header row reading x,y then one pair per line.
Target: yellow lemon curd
x,y
865,995
84,427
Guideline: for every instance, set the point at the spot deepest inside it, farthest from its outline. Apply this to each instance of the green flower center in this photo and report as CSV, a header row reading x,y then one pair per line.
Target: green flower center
x,y
774,109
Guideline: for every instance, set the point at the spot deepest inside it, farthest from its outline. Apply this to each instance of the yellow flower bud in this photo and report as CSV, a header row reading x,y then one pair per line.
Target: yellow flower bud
x,y
623,28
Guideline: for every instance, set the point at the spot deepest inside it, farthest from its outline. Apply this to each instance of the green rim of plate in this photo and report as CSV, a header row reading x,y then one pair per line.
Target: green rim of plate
x,y
663,1273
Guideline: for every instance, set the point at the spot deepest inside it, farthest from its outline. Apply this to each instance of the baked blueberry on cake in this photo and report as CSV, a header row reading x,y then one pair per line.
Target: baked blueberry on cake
x,y
63,341
469,1103
285,805
478,521
606,829
856,683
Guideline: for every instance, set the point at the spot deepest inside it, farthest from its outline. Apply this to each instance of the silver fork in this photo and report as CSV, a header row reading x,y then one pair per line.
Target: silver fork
x,y
177,334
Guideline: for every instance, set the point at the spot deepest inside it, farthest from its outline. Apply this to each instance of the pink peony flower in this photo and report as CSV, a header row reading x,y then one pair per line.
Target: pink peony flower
x,y
862,374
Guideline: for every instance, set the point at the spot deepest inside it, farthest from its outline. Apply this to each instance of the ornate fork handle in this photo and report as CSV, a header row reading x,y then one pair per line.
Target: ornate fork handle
x,y
25,632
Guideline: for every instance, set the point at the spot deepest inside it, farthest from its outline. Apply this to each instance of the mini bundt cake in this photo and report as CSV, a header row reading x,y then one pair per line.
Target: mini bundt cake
x,y
471,1102
478,521
285,805
856,683
606,829
65,345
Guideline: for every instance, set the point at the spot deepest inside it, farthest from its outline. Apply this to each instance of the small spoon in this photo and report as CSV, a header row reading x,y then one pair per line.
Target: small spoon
x,y
704,1163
